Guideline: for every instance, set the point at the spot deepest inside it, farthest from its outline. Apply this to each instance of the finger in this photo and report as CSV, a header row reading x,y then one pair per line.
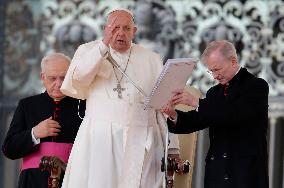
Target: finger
x,y
175,97
178,91
56,126
54,130
53,134
53,124
51,121
114,20
111,26
175,101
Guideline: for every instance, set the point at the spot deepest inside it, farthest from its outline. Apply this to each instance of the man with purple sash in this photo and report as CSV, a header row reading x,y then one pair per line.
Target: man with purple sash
x,y
44,125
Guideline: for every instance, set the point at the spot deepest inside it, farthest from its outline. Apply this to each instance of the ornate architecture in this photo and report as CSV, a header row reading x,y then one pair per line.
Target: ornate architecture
x,y
29,29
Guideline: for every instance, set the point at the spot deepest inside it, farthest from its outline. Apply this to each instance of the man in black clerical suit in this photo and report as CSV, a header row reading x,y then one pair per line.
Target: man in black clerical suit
x,y
236,112
44,124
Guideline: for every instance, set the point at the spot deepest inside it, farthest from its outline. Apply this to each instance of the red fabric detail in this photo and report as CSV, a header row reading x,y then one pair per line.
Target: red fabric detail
x,y
226,87
60,150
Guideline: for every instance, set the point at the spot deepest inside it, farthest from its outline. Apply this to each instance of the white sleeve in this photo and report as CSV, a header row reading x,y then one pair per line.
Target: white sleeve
x,y
174,143
173,138
87,63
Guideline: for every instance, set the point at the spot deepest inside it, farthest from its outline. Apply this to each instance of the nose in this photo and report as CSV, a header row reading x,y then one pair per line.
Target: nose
x,y
215,75
118,30
121,31
58,83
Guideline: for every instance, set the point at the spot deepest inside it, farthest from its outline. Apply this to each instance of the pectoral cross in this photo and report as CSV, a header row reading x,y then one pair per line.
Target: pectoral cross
x,y
119,90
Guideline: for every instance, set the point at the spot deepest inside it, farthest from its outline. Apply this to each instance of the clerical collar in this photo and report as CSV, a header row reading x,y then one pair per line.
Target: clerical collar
x,y
238,70
236,76
50,98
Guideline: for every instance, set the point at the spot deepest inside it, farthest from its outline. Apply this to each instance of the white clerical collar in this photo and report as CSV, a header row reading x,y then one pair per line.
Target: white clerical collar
x,y
238,70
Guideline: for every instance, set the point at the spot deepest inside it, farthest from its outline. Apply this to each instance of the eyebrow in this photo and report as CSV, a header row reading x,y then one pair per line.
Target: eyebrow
x,y
214,68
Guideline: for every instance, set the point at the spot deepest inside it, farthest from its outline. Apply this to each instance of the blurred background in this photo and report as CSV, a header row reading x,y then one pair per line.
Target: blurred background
x,y
29,29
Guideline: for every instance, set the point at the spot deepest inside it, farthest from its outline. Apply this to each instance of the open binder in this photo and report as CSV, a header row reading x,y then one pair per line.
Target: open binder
x,y
174,76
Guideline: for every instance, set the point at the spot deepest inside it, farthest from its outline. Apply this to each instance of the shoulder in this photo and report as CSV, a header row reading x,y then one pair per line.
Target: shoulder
x,y
85,48
89,45
71,100
31,99
259,84
253,80
147,57
214,88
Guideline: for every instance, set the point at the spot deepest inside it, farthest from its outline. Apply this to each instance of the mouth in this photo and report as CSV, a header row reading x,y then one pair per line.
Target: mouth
x,y
121,42
220,80
57,91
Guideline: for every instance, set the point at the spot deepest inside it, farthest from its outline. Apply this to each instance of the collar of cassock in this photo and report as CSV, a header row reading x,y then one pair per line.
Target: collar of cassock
x,y
231,82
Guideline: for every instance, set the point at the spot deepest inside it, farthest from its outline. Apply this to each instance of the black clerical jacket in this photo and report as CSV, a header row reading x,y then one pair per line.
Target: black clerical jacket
x,y
237,157
29,112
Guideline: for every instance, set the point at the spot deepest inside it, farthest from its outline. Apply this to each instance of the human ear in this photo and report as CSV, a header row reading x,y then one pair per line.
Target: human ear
x,y
42,76
234,61
134,29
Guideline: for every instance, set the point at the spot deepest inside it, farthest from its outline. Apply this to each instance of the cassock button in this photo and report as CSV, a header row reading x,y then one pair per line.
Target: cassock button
x,y
226,177
212,157
225,155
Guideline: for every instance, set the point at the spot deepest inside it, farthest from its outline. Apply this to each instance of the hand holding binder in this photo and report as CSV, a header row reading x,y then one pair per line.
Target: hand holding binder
x,y
174,76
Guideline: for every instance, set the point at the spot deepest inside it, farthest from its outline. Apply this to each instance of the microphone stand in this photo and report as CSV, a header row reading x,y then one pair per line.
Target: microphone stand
x,y
115,64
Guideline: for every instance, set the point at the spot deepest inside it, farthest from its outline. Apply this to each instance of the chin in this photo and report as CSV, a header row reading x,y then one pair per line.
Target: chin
x,y
122,48
58,96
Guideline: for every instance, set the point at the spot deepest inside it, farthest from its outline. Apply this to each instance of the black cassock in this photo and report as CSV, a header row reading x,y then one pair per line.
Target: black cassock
x,y
29,112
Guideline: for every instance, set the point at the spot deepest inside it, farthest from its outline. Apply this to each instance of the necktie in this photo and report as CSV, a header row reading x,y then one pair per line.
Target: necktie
x,y
226,86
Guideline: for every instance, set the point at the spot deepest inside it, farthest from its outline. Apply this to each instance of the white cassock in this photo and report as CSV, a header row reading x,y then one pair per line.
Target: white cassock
x,y
119,144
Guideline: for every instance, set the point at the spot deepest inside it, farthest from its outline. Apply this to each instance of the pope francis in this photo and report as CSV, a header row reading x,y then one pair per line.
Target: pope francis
x,y
119,144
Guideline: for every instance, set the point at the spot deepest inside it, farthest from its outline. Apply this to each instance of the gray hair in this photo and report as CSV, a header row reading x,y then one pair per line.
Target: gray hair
x,y
224,47
51,57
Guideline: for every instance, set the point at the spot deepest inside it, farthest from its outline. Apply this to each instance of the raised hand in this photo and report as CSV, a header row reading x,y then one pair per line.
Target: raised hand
x,y
183,97
109,31
169,110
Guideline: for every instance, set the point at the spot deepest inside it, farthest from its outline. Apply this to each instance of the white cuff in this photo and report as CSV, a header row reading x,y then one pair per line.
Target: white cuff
x,y
174,120
173,151
35,141
196,109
